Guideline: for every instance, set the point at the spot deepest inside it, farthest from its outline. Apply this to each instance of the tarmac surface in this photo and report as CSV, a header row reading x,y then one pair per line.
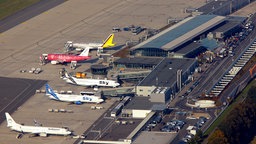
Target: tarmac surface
x,y
14,92
27,13
79,21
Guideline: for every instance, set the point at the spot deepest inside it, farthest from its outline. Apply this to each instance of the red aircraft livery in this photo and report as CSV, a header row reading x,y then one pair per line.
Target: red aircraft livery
x,y
62,58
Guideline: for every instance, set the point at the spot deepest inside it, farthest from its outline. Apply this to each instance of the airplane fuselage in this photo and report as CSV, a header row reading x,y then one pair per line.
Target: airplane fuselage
x,y
93,82
66,57
40,130
85,45
78,98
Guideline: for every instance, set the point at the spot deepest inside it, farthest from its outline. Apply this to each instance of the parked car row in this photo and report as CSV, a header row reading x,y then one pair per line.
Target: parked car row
x,y
173,126
153,123
200,122
193,129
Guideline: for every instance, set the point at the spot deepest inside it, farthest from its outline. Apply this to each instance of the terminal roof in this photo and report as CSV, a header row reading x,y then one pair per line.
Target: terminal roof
x,y
231,23
181,32
165,73
140,103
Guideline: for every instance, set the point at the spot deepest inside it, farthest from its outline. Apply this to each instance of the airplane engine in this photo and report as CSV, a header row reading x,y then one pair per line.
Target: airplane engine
x,y
54,62
43,134
78,103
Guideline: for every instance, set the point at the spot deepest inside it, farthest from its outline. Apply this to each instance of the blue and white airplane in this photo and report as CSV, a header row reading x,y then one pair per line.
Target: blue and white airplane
x,y
77,99
36,130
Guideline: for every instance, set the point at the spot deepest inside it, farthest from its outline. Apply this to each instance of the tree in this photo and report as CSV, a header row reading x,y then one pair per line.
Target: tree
x,y
253,141
199,136
251,94
217,137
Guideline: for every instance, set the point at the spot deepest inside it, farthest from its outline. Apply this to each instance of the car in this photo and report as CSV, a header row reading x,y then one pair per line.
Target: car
x,y
167,128
152,124
158,119
196,83
22,71
116,29
182,96
167,111
148,128
198,125
189,90
136,30
202,119
185,139
38,70
126,29
188,136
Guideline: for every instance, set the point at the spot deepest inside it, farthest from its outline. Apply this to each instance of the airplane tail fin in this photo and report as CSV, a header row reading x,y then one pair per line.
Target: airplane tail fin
x,y
108,42
85,52
50,91
69,77
9,119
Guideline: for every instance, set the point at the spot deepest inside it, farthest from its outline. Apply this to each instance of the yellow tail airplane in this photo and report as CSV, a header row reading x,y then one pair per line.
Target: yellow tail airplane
x,y
107,43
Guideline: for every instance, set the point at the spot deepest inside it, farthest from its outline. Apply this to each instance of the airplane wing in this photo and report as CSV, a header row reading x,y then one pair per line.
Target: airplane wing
x,y
36,132
84,47
60,61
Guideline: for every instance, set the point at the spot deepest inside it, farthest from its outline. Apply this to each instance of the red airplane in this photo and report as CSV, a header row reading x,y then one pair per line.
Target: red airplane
x,y
64,58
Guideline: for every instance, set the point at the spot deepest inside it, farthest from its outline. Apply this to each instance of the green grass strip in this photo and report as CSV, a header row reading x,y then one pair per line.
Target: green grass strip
x,y
9,7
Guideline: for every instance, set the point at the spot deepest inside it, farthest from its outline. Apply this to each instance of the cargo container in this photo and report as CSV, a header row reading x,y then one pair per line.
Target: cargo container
x,y
80,74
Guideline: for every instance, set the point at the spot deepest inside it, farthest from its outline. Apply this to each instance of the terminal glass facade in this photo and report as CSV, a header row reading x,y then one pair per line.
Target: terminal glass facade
x,y
154,52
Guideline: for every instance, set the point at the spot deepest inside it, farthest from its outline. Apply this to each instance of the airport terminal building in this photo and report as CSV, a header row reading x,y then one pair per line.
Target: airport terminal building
x,y
169,42
190,37
167,76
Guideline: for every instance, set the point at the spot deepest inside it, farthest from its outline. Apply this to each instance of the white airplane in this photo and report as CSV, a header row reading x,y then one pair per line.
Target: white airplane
x,y
37,130
80,46
90,82
77,99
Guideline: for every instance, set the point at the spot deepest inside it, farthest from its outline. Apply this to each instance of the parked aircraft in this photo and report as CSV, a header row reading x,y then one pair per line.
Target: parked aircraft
x,y
36,130
89,82
80,46
63,58
77,99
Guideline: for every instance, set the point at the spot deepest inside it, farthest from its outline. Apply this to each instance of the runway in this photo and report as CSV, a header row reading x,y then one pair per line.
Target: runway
x,y
27,13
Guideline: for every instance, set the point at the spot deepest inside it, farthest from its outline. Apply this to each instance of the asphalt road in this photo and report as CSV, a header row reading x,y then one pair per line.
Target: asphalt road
x,y
27,13
211,76
216,70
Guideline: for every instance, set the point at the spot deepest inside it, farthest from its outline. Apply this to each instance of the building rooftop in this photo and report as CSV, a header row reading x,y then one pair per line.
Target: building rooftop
x,y
210,44
181,32
154,137
140,103
165,73
230,24
188,48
